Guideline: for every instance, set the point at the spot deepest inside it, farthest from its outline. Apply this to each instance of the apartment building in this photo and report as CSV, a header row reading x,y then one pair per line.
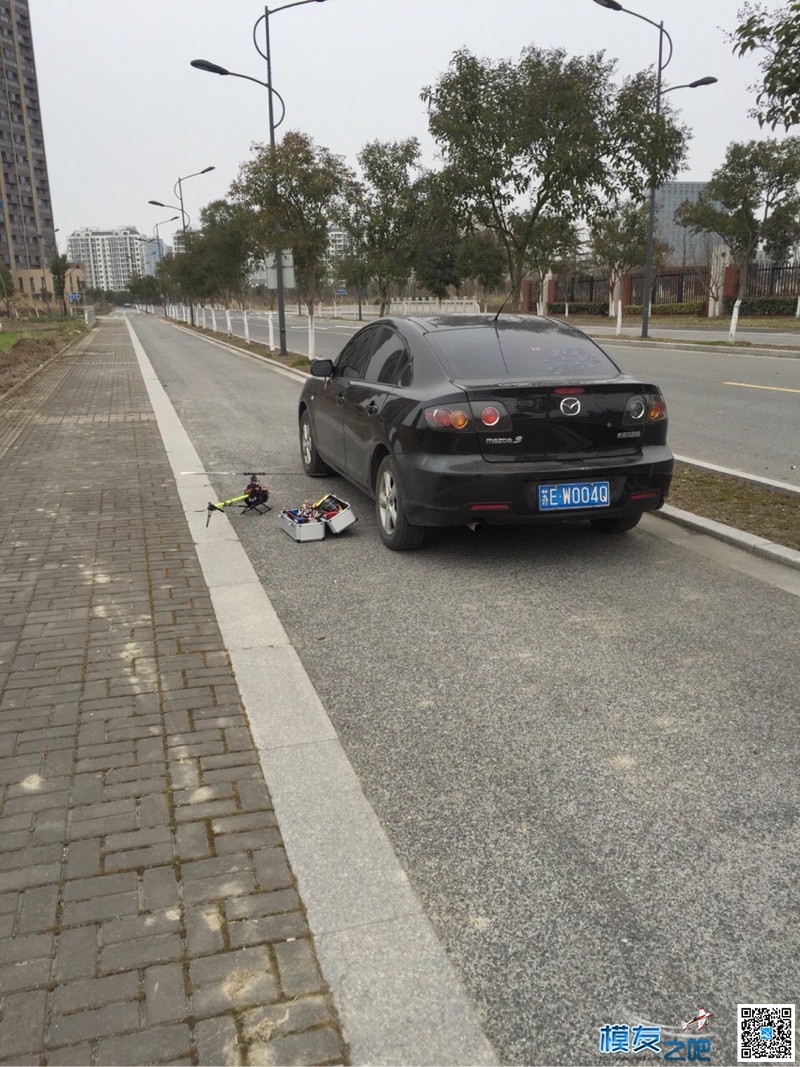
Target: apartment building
x,y
27,234
685,247
109,257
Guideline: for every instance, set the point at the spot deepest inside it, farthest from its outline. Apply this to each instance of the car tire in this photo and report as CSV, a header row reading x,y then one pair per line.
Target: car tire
x,y
396,531
313,464
618,525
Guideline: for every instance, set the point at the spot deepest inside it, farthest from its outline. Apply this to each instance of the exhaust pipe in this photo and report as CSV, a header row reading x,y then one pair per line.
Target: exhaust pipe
x,y
477,525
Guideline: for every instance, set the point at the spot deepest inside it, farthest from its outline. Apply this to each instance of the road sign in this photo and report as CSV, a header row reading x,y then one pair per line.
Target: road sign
x,y
73,296
341,292
288,271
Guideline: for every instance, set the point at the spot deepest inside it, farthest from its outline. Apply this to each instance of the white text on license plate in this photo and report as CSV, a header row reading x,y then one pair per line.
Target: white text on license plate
x,y
573,495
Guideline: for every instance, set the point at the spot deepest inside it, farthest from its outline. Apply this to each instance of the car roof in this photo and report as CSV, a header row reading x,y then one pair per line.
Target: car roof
x,y
529,323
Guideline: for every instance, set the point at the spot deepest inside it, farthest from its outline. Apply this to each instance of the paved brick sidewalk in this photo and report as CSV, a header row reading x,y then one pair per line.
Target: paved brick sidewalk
x,y
147,910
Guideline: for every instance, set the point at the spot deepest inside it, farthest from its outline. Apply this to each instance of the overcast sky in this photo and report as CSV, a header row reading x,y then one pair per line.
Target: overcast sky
x,y
125,115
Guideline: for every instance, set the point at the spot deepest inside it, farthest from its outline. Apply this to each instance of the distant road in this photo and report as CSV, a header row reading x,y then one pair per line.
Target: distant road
x,y
733,410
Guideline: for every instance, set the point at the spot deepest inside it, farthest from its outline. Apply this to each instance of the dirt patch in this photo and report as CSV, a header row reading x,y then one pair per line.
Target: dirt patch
x,y
751,508
29,354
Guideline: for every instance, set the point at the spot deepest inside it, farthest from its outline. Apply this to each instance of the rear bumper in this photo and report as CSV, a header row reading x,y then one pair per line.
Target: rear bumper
x,y
450,491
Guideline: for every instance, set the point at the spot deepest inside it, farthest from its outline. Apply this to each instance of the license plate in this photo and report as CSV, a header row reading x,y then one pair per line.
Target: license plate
x,y
568,495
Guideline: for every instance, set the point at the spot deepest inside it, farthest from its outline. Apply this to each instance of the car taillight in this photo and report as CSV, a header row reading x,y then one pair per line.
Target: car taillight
x,y
477,415
644,407
658,407
446,418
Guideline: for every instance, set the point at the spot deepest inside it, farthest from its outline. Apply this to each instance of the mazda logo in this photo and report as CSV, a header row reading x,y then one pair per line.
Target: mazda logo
x,y
570,405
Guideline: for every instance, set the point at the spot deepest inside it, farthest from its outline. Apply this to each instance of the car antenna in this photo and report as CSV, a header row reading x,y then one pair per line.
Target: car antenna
x,y
511,293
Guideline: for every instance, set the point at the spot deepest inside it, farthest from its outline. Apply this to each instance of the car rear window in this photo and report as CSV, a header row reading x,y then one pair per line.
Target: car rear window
x,y
488,353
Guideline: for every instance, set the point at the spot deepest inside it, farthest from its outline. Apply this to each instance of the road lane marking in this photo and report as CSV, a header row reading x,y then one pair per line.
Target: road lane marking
x,y
772,388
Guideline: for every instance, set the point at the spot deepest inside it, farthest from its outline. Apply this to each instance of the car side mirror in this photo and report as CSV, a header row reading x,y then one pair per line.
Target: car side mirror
x,y
322,368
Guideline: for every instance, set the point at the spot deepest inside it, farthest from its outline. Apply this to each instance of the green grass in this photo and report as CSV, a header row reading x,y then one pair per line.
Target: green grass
x,y
7,339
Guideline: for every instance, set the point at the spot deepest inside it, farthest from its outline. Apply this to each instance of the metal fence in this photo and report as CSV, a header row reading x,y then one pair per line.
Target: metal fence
x,y
772,280
681,285
583,289
673,286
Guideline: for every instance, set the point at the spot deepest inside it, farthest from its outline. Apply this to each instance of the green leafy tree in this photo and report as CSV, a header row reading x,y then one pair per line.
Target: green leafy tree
x,y
293,193
618,242
7,288
380,212
550,237
781,232
59,268
546,136
757,180
145,289
480,256
435,236
776,36
225,249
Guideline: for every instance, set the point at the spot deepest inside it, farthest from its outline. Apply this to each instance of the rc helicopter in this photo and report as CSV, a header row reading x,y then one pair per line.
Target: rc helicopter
x,y
254,497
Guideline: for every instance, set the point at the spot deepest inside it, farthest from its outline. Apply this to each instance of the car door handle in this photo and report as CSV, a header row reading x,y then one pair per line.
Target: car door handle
x,y
372,408
341,397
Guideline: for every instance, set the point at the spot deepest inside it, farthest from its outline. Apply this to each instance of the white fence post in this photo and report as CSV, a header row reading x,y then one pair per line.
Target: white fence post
x,y
311,338
213,320
246,326
271,334
228,321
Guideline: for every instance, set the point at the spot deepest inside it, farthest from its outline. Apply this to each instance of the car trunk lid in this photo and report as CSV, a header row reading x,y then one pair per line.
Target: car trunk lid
x,y
556,421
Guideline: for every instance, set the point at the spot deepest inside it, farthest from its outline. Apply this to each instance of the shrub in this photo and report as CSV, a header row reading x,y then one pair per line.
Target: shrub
x,y
690,307
762,305
558,308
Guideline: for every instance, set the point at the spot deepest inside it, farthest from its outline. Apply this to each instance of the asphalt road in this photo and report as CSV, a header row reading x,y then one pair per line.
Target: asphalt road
x,y
737,411
740,411
583,750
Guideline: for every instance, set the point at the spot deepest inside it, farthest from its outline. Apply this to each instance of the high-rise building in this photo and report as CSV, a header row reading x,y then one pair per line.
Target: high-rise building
x,y
685,246
109,257
27,235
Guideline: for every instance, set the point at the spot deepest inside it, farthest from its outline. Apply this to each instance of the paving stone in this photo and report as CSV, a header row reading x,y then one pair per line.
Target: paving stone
x,y
70,1056
22,1025
94,992
161,1044
118,689
272,869
267,928
313,1046
204,929
262,1025
97,1022
158,948
297,968
76,955
165,994
262,904
217,1041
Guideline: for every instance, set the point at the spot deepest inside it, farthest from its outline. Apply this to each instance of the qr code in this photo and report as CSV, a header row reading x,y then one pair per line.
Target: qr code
x,y
766,1033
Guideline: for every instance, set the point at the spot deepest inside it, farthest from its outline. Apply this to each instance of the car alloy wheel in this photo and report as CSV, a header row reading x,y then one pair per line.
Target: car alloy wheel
x,y
313,464
396,531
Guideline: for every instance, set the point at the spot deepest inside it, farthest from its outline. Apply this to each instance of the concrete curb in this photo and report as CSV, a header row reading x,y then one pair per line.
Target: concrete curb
x,y
759,546
688,346
767,483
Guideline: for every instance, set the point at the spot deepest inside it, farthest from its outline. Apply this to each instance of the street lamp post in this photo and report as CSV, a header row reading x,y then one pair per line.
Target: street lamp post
x,y
614,5
214,68
178,190
158,239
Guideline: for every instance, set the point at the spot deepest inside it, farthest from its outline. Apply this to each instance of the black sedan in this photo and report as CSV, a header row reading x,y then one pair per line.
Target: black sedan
x,y
469,419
